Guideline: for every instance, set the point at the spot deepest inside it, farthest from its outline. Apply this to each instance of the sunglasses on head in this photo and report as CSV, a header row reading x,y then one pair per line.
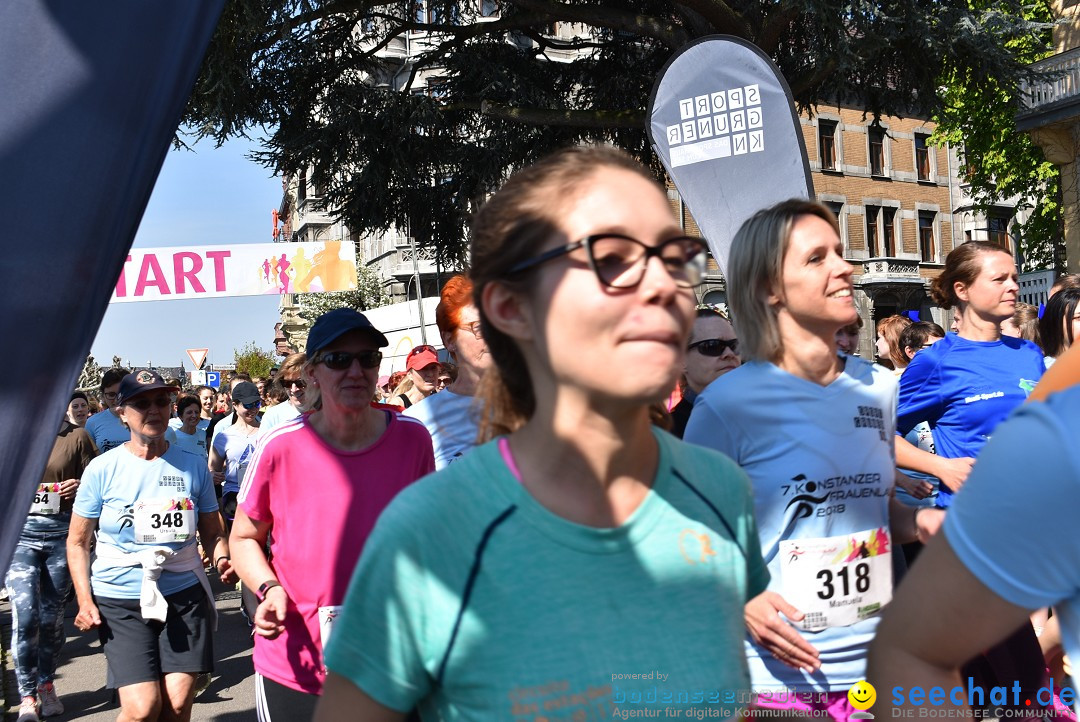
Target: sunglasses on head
x,y
162,402
714,346
341,360
297,382
420,349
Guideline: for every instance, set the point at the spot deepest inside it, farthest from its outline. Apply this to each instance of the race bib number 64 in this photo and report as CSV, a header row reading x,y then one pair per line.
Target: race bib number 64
x,y
838,581
164,521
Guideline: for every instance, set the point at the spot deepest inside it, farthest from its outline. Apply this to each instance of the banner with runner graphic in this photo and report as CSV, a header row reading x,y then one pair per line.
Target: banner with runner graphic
x,y
249,269
723,122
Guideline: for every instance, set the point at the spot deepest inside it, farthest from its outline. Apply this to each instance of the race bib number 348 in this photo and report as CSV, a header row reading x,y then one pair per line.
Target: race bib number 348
x,y
838,581
164,521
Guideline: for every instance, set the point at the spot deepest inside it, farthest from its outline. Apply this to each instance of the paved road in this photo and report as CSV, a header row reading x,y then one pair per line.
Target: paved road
x,y
81,677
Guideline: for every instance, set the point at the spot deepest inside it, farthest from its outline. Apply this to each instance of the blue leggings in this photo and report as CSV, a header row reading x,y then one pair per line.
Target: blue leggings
x,y
38,582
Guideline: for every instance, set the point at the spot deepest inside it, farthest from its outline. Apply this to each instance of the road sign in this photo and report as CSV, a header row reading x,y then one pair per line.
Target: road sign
x,y
198,356
198,378
213,379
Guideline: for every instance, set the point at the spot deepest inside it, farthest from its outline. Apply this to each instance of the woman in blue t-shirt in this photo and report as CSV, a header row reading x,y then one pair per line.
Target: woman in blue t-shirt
x,y
813,429
966,384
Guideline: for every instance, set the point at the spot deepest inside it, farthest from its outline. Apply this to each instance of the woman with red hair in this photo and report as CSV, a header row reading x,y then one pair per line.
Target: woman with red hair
x,y
449,415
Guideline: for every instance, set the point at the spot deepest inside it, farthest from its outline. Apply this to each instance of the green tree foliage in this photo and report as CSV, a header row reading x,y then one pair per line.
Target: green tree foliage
x,y
369,293
535,75
252,360
979,116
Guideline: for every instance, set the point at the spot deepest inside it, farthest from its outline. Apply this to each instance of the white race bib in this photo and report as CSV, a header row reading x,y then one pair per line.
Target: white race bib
x,y
327,616
164,521
838,581
46,499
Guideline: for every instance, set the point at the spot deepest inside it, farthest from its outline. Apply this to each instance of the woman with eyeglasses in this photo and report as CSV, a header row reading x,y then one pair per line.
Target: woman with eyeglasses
x,y
451,416
147,592
288,378
232,449
422,367
814,430
580,544
712,352
315,487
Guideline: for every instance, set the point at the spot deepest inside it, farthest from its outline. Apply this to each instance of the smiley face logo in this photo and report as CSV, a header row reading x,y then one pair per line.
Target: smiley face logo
x,y
862,695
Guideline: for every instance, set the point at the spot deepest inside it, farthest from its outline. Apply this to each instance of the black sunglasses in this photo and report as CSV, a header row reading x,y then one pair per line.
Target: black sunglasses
x,y
619,261
341,360
714,346
162,402
252,406
417,350
298,383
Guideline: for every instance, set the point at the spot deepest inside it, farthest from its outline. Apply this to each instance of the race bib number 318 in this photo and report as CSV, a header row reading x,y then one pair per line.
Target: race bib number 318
x,y
838,581
164,521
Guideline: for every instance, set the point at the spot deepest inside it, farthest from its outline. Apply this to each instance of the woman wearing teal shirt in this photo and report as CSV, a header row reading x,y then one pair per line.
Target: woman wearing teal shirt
x,y
583,561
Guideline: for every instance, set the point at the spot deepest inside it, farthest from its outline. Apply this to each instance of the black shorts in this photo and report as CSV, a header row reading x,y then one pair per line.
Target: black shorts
x,y
138,650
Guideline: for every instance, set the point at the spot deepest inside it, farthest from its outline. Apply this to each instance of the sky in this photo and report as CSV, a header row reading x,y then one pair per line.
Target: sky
x,y
208,196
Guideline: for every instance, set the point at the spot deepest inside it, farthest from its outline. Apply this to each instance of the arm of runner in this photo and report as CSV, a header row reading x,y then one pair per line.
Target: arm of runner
x,y
910,524
768,629
952,472
80,535
216,544
216,464
343,701
918,488
247,541
916,647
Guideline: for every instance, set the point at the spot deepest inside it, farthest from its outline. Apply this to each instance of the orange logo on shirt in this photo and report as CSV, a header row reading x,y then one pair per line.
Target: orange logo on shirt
x,y
695,548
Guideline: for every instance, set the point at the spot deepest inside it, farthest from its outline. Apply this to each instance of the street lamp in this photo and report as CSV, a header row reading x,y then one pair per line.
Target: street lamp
x,y
419,293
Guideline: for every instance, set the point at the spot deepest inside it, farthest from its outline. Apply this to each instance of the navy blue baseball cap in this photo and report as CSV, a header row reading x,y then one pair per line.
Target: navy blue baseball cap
x,y
140,381
333,324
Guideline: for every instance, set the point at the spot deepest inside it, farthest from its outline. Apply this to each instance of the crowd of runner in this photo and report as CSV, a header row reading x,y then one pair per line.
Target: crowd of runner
x,y
599,477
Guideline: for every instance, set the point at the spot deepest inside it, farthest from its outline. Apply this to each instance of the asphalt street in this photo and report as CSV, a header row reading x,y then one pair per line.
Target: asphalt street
x,y
80,679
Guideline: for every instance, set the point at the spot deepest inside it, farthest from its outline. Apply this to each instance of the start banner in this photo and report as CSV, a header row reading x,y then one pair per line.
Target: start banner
x,y
250,269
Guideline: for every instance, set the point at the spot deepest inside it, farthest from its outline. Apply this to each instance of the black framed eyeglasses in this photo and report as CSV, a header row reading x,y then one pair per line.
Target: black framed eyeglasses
x,y
110,395
342,360
619,261
473,328
289,383
714,346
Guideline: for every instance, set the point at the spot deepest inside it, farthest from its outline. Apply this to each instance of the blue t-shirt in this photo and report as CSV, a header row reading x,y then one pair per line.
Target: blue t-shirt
x,y
820,459
236,446
112,485
108,431
453,422
964,389
1039,564
472,601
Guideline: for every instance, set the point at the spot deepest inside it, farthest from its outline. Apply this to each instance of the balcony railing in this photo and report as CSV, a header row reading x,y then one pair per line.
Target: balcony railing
x,y
891,268
1062,72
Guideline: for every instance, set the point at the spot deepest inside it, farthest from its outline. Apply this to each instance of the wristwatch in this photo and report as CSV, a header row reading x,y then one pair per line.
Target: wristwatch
x,y
265,587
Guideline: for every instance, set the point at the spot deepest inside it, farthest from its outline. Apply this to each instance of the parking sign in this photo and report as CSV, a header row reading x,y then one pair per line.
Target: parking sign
x,y
213,379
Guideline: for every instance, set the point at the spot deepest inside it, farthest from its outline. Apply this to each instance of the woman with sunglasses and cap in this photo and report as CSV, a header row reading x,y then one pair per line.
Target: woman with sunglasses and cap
x,y
320,479
422,369
147,592
814,430
712,352
581,542
234,447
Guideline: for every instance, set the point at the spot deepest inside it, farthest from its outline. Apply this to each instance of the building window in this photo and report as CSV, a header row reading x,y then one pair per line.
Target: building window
x,y
888,232
488,8
877,151
836,209
997,229
922,158
927,244
872,213
827,144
